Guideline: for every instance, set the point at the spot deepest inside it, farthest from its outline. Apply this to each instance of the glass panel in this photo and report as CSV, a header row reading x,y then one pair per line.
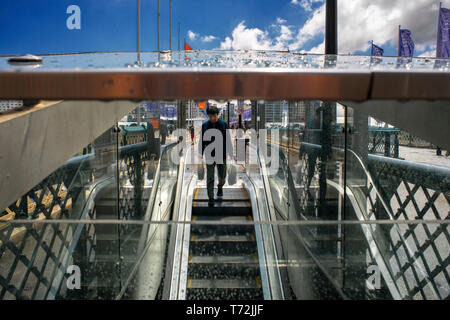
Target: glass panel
x,y
233,59
401,268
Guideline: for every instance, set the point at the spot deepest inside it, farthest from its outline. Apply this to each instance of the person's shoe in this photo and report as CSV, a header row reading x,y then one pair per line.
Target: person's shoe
x,y
211,202
220,192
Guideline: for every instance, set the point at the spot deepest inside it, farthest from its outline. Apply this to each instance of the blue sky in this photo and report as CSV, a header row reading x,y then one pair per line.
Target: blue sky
x,y
39,26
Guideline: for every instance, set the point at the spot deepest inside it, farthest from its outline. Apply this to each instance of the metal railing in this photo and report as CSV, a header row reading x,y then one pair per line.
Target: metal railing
x,y
400,190
32,255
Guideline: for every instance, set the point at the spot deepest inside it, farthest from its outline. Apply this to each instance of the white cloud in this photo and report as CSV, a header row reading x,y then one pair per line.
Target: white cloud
x,y
244,38
227,44
429,53
205,39
312,28
192,35
305,4
363,20
208,38
319,49
359,21
279,37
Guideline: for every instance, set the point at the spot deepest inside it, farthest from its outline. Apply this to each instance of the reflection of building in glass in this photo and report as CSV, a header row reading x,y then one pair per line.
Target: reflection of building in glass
x,y
297,111
193,112
274,110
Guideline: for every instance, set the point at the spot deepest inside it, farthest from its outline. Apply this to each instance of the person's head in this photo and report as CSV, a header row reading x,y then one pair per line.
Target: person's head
x,y
213,114
317,113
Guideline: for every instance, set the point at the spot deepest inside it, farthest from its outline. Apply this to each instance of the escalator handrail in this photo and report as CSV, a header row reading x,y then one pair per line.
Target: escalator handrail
x,y
145,242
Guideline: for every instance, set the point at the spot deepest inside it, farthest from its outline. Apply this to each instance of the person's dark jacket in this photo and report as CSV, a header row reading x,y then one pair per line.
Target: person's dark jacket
x,y
222,126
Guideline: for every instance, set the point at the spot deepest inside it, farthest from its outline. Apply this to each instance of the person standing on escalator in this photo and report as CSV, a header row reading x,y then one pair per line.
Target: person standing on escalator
x,y
215,157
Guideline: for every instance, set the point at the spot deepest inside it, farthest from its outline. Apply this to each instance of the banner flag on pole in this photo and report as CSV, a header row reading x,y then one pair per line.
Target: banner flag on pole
x,y
406,43
376,50
187,47
443,45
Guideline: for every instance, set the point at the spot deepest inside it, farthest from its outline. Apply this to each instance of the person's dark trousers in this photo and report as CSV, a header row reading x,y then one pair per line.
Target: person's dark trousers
x,y
163,139
221,172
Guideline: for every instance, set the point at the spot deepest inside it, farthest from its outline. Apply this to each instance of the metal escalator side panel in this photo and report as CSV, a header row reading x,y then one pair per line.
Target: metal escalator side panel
x,y
182,207
269,268
182,282
148,249
280,240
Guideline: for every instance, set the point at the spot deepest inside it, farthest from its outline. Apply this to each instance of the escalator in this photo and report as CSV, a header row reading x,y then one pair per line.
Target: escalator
x,y
223,258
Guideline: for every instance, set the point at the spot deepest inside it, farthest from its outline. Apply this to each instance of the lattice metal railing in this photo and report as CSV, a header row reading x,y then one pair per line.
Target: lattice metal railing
x,y
409,140
384,141
30,254
416,255
33,255
419,252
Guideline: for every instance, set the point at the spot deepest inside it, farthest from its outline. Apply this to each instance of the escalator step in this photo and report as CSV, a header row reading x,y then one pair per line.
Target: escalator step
x,y
223,261
229,194
224,294
242,208
201,248
238,259
250,283
223,271
223,238
222,230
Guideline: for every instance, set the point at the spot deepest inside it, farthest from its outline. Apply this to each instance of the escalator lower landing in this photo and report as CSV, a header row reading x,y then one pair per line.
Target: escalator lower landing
x,y
223,259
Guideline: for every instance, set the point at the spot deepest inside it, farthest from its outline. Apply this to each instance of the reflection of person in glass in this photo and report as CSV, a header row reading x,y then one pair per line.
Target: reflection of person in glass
x,y
163,131
318,134
192,132
313,133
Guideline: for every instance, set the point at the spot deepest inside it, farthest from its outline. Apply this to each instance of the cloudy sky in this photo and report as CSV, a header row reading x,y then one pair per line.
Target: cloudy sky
x,y
39,26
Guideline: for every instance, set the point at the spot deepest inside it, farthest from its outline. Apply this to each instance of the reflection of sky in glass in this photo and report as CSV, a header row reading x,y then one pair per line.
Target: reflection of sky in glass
x,y
234,60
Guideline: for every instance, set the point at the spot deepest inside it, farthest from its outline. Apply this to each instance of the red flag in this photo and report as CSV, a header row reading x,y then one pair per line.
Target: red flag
x,y
186,47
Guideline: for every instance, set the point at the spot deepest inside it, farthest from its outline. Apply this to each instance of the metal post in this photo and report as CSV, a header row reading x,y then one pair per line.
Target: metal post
x,y
139,30
399,33
396,145
331,41
387,144
159,25
139,115
179,36
170,25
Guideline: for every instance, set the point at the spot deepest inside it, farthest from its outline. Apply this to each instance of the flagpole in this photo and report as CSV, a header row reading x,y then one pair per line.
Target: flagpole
x,y
371,48
399,38
179,36
438,29
159,26
170,25
139,30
